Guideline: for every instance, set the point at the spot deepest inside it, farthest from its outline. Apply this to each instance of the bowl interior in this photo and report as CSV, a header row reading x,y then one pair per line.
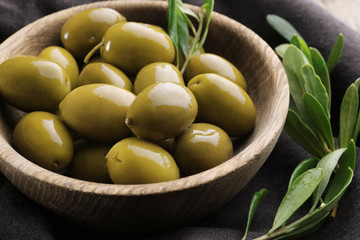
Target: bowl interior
x,y
267,86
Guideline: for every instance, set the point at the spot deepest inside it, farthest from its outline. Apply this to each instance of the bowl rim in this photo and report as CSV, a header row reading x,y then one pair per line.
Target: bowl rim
x,y
9,158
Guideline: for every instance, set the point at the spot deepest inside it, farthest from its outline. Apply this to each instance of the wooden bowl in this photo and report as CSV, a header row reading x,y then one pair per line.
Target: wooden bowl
x,y
160,206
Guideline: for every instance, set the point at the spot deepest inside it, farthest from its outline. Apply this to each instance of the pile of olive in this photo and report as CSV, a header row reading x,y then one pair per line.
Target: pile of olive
x,y
129,116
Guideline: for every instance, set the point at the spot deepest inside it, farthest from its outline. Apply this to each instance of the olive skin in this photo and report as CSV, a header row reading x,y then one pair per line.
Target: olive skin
x,y
156,72
89,163
130,46
137,161
99,72
223,103
97,111
201,147
44,139
212,63
85,30
32,83
64,58
161,111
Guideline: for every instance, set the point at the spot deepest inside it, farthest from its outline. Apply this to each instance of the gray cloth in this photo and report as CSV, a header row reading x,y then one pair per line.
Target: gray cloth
x,y
21,218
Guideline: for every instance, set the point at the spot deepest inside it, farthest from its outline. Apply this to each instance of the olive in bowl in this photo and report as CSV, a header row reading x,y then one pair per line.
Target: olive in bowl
x,y
164,205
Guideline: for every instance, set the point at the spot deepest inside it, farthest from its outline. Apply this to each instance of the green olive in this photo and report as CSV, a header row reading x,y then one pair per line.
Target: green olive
x,y
161,111
156,72
131,46
32,83
64,58
97,111
201,147
99,72
212,63
223,103
137,161
85,30
44,139
89,163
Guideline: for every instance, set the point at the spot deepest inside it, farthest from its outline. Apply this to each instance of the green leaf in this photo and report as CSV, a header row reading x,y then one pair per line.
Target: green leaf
x,y
348,161
301,168
293,61
208,6
348,115
303,135
302,45
324,209
357,126
305,49
294,41
319,118
256,199
335,53
280,50
186,10
357,83
282,26
172,26
304,231
314,86
172,21
299,192
183,33
321,70
328,163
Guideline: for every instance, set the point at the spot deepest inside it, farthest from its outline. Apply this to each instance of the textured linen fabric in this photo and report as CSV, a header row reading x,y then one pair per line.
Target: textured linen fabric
x,y
21,218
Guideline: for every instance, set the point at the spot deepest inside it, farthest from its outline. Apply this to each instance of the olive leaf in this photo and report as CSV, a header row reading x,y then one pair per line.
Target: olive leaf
x,y
357,83
186,11
357,126
329,203
183,32
306,230
280,50
348,115
320,120
303,135
347,162
301,168
256,199
179,24
300,191
172,29
314,86
293,61
328,163
208,6
321,70
302,45
312,129
282,26
318,214
335,53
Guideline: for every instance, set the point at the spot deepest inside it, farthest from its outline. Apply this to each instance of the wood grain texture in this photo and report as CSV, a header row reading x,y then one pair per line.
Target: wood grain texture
x,y
153,207
346,11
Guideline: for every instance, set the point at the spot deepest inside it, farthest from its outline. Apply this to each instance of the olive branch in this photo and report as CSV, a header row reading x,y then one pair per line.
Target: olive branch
x,y
326,175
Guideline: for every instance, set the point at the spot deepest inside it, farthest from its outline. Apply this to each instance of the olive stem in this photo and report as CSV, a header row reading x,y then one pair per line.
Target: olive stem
x,y
333,211
195,42
92,51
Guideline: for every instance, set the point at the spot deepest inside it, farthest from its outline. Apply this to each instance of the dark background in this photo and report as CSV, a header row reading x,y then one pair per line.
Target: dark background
x,y
21,218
